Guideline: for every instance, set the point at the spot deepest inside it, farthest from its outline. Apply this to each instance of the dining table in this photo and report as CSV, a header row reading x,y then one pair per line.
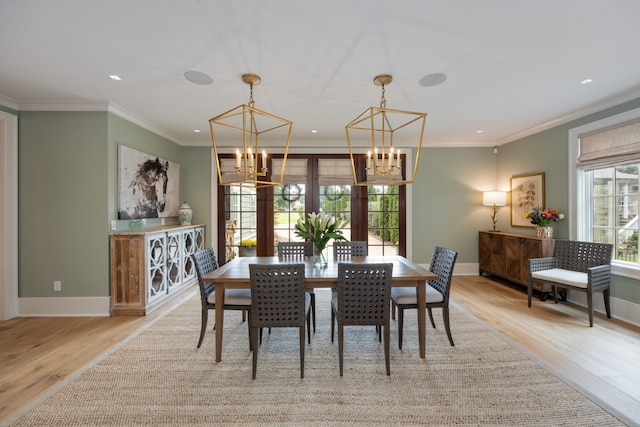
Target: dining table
x,y
235,274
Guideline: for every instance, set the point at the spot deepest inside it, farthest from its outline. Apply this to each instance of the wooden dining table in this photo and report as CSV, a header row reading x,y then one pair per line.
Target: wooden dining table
x,y
235,274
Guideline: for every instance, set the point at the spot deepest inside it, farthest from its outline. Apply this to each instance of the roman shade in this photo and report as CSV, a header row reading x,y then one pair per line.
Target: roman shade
x,y
335,172
610,147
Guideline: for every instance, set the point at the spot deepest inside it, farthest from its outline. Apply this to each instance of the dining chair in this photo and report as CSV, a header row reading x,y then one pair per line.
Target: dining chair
x,y
292,251
362,298
347,249
278,300
442,263
206,262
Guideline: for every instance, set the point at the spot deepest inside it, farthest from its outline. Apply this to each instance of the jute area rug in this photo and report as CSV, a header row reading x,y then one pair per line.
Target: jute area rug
x,y
159,378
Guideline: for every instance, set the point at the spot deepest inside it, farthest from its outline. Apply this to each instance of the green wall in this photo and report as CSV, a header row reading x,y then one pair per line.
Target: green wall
x,y
447,201
68,194
62,204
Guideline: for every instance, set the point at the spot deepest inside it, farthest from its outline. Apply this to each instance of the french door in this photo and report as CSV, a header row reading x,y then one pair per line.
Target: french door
x,y
253,221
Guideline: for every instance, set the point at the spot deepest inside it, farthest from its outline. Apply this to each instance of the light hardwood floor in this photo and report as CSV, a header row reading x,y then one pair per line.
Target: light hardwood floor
x,y
603,361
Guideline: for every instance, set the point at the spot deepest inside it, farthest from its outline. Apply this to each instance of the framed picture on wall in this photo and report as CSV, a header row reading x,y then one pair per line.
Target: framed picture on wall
x,y
148,186
527,192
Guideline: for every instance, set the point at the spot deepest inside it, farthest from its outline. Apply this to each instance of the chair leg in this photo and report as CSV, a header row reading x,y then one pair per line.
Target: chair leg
x,y
244,315
203,327
400,324
254,339
445,318
333,323
379,330
386,349
340,346
393,310
431,317
555,294
607,304
529,293
309,327
590,308
313,310
301,334
250,333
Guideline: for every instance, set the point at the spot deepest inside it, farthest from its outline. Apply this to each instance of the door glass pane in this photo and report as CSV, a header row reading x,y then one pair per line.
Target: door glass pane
x,y
383,224
336,200
288,203
241,221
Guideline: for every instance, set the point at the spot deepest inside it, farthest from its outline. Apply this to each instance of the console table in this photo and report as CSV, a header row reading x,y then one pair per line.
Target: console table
x,y
507,255
150,267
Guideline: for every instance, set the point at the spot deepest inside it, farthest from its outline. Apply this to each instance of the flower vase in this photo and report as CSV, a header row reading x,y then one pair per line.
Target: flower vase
x,y
544,232
319,258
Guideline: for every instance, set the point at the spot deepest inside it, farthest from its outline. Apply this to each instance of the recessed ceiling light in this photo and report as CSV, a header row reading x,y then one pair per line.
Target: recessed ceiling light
x,y
479,131
314,131
115,77
196,130
198,78
586,81
433,79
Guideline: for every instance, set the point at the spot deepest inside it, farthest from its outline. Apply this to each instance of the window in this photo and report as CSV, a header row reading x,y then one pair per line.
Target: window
x,y
615,209
604,158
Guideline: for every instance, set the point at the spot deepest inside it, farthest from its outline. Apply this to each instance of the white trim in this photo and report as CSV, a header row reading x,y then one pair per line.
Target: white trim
x,y
577,200
65,307
466,269
626,311
9,217
95,106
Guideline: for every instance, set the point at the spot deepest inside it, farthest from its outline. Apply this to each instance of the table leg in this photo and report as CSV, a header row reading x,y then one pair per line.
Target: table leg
x,y
421,291
219,320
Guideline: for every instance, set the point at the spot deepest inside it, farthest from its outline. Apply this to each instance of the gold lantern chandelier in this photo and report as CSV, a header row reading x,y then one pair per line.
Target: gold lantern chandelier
x,y
248,127
383,128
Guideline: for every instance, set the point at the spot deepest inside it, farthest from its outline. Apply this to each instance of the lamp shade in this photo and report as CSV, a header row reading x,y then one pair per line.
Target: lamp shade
x,y
494,198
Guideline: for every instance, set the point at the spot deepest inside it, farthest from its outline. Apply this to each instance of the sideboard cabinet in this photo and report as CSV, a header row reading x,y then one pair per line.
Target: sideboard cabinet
x,y
507,255
150,267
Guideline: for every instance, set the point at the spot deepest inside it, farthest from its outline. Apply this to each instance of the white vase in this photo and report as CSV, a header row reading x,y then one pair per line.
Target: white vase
x,y
185,213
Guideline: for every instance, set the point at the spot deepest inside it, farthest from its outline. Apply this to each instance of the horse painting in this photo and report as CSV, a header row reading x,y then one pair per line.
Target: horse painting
x,y
145,194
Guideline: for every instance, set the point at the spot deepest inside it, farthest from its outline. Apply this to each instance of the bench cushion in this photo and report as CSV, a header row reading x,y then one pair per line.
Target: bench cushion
x,y
565,277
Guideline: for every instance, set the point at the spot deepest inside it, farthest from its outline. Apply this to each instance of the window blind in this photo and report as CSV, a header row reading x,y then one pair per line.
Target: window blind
x,y
335,172
610,147
295,170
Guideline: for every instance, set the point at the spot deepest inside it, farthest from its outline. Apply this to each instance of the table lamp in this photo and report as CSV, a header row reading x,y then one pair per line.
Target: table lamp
x,y
494,198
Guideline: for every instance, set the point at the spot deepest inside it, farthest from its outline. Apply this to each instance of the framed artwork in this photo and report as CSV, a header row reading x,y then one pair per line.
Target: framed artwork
x,y
148,186
527,192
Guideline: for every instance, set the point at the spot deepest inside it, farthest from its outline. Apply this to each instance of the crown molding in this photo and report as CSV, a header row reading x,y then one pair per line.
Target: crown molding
x,y
143,123
575,115
8,102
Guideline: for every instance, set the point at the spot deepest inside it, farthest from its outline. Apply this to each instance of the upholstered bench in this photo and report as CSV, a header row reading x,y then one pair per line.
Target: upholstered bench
x,y
581,266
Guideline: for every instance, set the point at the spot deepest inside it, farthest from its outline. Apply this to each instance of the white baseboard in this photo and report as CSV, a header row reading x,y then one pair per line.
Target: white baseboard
x,y
64,307
620,309
469,269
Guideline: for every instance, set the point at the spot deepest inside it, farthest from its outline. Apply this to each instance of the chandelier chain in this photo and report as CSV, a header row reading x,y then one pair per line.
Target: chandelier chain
x,y
383,101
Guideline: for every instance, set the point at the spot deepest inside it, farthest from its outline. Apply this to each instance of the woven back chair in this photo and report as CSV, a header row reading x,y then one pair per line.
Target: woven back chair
x,y
575,265
442,262
347,249
205,262
362,298
295,251
278,300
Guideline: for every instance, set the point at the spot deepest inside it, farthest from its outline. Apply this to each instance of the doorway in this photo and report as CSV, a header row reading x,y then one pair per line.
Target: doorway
x,y
8,216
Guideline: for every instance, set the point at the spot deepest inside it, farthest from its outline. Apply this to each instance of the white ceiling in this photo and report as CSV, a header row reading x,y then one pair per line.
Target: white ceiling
x,y
513,67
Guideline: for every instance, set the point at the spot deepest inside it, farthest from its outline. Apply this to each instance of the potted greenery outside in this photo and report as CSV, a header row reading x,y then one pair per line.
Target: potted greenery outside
x,y
247,247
